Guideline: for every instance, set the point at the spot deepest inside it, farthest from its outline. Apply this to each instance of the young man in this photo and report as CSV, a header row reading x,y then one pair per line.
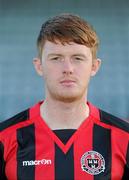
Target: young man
x,y
65,137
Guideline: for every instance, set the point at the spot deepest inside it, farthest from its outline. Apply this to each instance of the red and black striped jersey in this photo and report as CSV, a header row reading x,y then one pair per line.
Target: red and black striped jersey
x,y
97,150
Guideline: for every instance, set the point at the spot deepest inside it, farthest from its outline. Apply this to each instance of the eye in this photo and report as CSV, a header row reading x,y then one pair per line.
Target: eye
x,y
77,58
56,58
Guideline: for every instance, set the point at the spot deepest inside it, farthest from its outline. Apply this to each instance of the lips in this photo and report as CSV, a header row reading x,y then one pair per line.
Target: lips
x,y
68,82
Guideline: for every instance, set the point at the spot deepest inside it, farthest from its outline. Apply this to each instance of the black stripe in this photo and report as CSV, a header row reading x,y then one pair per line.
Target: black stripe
x,y
64,134
114,121
14,120
26,152
64,164
2,163
102,145
126,169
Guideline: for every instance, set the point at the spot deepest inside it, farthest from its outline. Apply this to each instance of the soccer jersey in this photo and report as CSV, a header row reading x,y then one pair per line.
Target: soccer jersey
x,y
97,150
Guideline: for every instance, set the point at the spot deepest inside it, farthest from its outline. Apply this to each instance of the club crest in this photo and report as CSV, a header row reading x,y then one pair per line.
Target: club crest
x,y
93,163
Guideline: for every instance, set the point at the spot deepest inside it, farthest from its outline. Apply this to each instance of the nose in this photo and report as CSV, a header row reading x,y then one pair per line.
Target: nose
x,y
67,67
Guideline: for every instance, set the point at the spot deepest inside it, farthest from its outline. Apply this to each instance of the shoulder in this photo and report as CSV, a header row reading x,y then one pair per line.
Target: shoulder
x,y
23,118
18,118
114,121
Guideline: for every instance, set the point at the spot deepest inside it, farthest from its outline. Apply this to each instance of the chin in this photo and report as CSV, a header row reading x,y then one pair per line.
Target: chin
x,y
67,98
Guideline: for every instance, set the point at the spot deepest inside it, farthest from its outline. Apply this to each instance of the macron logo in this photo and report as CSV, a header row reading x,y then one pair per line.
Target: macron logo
x,y
37,162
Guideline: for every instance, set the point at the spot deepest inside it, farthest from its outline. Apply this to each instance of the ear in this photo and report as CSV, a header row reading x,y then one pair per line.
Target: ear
x,y
38,66
95,66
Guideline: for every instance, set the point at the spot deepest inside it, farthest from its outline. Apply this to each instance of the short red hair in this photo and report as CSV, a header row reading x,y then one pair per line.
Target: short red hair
x,y
67,28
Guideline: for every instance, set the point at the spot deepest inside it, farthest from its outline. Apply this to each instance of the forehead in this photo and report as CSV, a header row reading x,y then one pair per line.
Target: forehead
x,y
67,48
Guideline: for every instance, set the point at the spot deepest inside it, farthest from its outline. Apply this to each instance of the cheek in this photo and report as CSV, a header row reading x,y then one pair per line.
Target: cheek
x,y
84,72
50,75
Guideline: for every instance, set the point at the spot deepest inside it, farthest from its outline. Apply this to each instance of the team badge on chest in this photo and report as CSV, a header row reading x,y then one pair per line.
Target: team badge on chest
x,y
93,163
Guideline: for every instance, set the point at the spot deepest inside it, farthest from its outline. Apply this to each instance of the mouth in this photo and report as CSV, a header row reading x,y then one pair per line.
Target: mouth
x,y
67,82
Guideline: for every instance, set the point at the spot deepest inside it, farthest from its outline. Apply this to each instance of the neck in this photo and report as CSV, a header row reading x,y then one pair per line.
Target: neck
x,y
62,115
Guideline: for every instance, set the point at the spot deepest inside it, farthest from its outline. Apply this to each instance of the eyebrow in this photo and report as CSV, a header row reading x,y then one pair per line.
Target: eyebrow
x,y
81,55
54,54
57,54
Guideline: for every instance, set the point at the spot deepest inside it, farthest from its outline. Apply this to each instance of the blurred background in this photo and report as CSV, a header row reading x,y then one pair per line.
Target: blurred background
x,y
20,22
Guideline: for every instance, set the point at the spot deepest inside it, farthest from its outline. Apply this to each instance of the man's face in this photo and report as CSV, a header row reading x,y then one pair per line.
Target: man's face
x,y
66,70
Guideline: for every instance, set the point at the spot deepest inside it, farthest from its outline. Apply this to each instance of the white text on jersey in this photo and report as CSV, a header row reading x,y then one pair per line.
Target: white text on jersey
x,y
37,162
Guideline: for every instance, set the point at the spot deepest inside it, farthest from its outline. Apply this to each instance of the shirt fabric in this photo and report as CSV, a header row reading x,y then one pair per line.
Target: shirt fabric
x,y
97,150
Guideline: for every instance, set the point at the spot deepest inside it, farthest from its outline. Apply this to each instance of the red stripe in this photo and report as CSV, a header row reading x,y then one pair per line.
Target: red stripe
x,y
44,150
10,156
119,148
81,146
